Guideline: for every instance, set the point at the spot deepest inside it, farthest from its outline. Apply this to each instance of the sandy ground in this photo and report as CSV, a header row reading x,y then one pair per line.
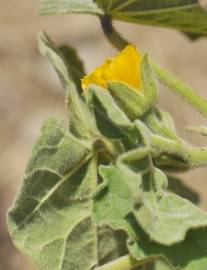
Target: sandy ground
x,y
30,90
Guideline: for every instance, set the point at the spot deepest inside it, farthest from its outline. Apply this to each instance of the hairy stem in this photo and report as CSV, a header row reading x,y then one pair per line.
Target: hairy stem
x,y
178,87
192,156
190,96
115,38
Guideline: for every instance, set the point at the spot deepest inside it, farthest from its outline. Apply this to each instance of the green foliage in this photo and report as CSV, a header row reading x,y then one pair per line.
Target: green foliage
x,y
49,7
185,15
164,216
95,194
52,213
187,255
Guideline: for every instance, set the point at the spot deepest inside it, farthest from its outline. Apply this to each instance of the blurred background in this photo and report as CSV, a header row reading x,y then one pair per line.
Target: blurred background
x,y
30,90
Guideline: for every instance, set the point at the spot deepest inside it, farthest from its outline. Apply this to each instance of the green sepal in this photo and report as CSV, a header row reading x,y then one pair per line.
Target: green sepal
x,y
135,102
148,83
127,98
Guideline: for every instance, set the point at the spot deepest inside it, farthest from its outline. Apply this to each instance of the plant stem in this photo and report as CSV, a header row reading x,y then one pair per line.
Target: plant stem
x,y
123,263
190,95
177,86
115,38
192,156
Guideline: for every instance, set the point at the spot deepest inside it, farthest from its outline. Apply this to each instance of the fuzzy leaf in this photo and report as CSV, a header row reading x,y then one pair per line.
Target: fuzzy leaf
x,y
185,15
48,48
164,216
70,70
64,59
168,218
187,255
49,7
51,219
74,64
112,111
116,201
111,120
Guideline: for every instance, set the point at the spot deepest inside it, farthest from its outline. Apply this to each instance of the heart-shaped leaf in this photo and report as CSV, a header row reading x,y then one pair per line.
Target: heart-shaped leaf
x,y
51,220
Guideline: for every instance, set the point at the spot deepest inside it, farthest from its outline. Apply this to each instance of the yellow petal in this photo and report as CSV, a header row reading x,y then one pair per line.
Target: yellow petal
x,y
124,67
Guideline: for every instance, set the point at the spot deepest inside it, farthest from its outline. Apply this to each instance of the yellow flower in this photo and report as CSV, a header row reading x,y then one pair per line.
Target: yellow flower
x,y
124,67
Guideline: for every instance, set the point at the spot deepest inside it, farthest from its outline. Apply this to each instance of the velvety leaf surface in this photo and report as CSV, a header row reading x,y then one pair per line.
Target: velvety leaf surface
x,y
51,220
166,217
127,98
186,15
107,103
49,7
64,59
74,64
187,255
116,201
70,70
111,119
